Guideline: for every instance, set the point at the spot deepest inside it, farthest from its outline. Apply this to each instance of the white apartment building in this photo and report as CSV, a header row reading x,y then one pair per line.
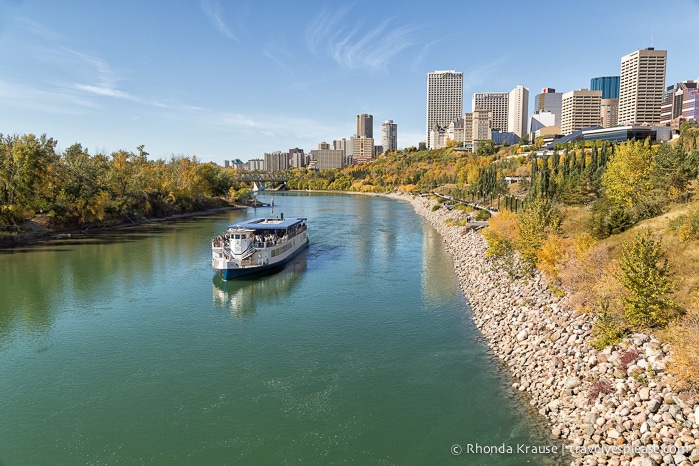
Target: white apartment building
x,y
389,135
641,86
580,109
518,107
444,100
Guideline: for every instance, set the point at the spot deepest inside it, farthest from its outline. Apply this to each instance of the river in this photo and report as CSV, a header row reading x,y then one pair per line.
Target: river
x,y
125,348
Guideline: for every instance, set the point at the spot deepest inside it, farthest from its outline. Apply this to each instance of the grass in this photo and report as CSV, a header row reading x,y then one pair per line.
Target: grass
x,y
683,255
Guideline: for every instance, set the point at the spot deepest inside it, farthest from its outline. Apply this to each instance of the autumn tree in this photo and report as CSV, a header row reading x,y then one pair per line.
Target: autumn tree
x,y
627,179
645,274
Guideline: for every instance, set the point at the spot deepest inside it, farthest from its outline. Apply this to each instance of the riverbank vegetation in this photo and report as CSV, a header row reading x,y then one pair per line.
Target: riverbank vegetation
x,y
76,190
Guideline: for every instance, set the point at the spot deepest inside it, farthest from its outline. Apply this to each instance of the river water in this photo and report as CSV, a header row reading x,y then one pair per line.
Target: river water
x,y
126,348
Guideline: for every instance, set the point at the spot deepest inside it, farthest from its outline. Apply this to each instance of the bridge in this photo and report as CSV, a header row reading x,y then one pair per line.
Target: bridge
x,y
264,177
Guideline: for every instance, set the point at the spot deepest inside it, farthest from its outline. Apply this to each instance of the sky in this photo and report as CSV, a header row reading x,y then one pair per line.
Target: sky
x,y
224,80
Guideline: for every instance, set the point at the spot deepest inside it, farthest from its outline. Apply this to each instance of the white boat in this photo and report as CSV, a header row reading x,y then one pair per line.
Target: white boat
x,y
258,245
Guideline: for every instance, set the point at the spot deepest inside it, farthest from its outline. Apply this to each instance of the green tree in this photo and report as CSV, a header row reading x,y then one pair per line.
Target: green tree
x,y
646,275
26,169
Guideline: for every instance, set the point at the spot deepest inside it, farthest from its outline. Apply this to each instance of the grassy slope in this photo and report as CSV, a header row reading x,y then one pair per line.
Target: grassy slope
x,y
683,255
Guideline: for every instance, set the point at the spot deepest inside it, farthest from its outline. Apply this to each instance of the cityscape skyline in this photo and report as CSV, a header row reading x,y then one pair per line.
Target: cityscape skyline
x,y
224,81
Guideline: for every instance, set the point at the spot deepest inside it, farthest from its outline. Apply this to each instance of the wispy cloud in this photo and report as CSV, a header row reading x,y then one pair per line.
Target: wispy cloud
x,y
212,10
483,73
272,126
355,47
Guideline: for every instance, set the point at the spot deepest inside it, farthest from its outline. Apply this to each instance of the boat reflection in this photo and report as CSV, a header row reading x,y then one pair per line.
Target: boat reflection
x,y
242,295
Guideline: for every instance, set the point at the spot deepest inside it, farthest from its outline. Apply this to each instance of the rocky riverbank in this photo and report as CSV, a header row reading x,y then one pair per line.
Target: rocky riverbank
x,y
612,407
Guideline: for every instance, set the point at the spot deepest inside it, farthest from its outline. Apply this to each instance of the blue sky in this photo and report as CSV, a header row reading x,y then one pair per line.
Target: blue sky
x,y
235,79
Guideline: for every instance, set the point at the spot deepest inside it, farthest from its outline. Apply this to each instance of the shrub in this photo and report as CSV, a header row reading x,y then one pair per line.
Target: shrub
x,y
627,358
685,227
539,219
482,215
608,329
600,387
645,273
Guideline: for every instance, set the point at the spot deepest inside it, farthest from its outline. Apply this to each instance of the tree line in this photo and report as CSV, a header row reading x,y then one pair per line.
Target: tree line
x,y
74,188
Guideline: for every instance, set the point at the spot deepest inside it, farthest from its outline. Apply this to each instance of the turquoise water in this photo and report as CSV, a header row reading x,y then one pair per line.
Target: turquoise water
x,y
126,348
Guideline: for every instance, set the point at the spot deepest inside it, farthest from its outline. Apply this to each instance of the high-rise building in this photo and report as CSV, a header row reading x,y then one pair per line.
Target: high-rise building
x,y
580,109
389,135
681,103
609,112
256,165
362,150
365,126
276,160
550,100
297,158
641,86
444,99
609,85
609,108
328,158
497,103
518,107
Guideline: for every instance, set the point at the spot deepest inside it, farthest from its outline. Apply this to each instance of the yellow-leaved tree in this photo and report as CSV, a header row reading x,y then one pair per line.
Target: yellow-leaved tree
x,y
627,179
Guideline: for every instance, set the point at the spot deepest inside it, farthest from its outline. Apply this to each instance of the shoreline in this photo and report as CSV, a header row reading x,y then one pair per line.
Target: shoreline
x,y
614,406
38,236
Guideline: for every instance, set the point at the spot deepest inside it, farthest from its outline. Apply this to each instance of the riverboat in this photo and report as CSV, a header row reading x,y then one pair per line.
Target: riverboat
x,y
258,245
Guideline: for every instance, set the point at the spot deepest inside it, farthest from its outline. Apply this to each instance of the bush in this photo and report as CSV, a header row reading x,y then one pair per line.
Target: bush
x,y
608,329
482,215
645,273
599,388
686,227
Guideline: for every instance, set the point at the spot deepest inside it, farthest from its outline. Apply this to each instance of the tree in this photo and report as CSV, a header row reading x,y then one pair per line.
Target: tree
x,y
539,219
627,179
26,166
645,273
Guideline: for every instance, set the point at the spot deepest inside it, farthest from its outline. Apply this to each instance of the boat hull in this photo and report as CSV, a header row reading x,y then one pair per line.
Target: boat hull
x,y
232,273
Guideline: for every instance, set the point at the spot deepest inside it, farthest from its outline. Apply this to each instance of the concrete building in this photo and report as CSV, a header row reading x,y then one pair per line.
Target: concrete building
x,y
541,119
609,112
641,86
680,104
256,165
389,135
276,160
497,103
580,109
444,100
297,158
551,101
455,131
363,150
365,126
477,128
328,158
518,108
344,145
